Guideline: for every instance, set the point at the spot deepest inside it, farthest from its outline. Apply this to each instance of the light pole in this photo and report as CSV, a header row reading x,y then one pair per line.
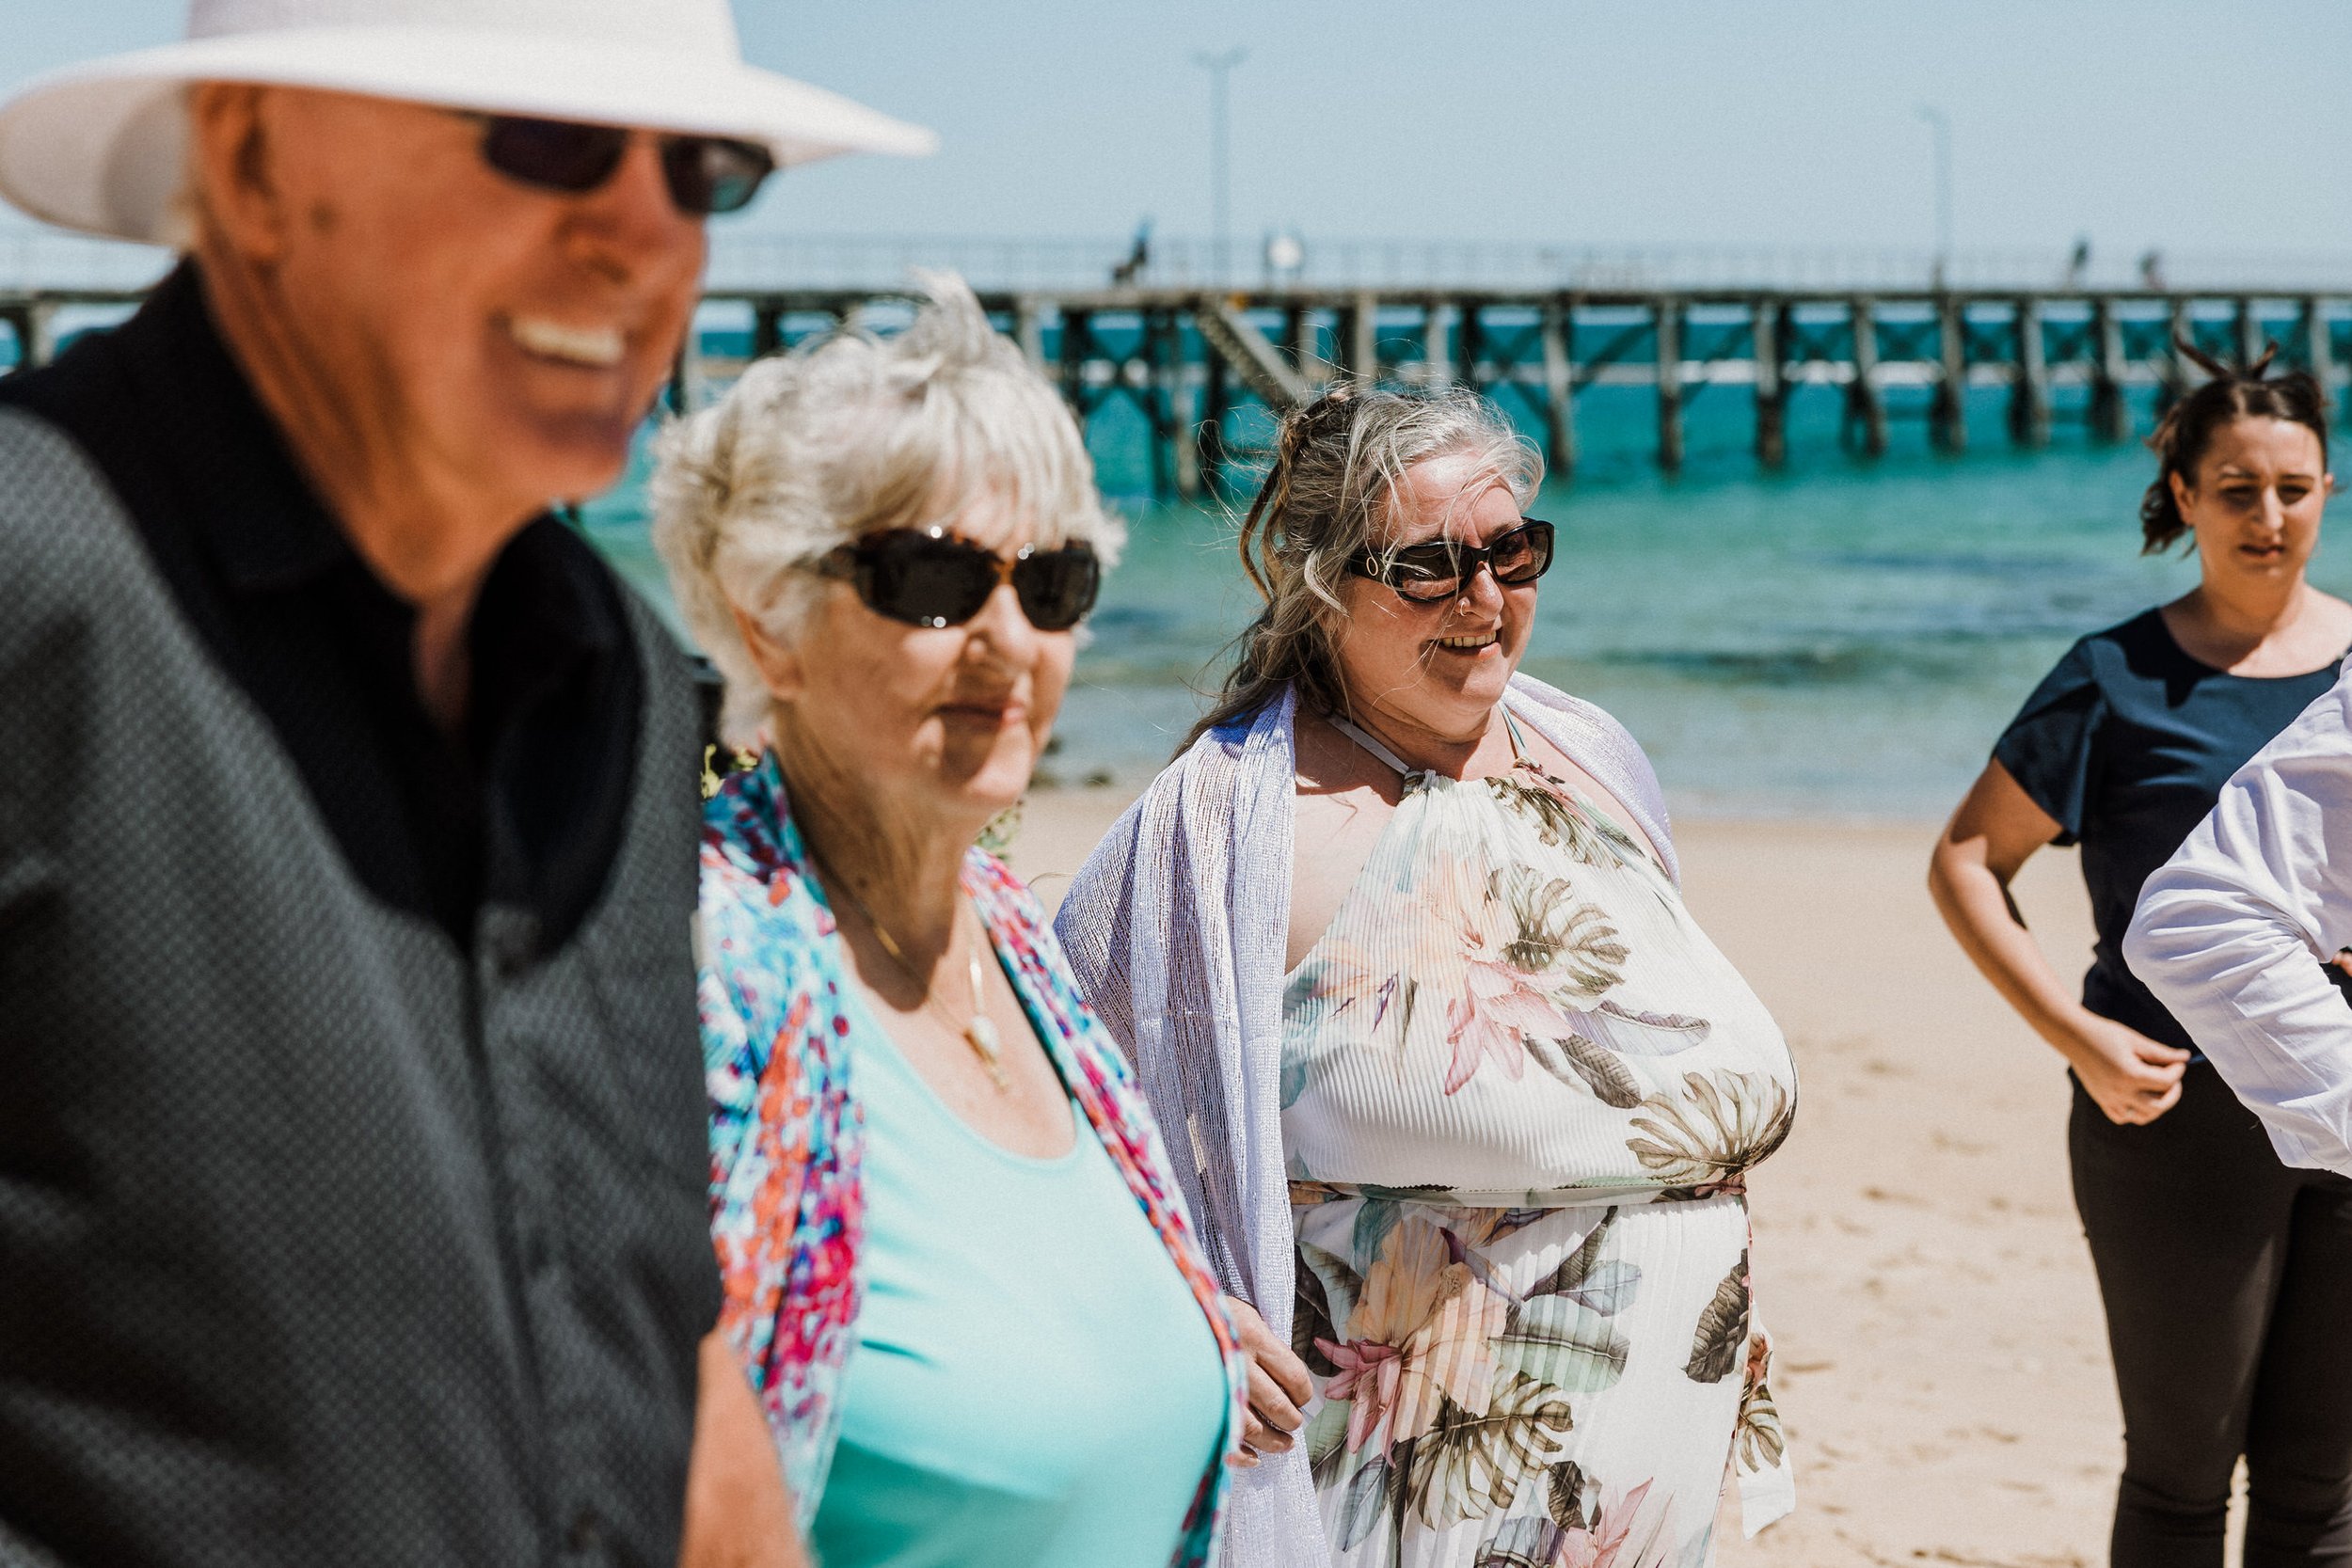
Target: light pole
x,y
1939,122
1219,66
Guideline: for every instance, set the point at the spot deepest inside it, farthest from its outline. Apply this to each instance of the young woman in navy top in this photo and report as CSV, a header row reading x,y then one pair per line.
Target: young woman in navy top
x,y
2226,1277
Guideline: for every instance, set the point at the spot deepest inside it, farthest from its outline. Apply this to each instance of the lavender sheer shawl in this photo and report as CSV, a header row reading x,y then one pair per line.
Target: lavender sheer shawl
x,y
1177,928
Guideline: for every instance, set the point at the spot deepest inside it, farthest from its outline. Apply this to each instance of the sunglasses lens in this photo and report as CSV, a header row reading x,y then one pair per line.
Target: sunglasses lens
x,y
1426,571
925,581
1057,587
557,154
707,174
1523,555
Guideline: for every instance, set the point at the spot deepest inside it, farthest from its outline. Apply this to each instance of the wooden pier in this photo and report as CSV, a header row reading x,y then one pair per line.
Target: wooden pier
x,y
1192,362
1203,368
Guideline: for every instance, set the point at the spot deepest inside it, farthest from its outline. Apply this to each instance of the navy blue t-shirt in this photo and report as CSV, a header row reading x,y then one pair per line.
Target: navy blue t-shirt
x,y
2127,743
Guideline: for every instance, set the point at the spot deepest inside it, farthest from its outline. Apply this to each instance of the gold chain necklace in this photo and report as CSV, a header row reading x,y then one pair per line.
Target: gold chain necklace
x,y
981,1032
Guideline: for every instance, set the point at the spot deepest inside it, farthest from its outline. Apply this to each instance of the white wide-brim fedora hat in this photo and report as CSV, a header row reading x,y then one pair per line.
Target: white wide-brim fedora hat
x,y
101,147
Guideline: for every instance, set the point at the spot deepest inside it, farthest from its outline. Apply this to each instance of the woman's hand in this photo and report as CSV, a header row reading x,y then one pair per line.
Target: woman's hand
x,y
2133,1079
1277,1387
1998,828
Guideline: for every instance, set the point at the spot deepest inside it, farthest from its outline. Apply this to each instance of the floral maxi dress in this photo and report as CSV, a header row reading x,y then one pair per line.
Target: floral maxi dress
x,y
1520,1092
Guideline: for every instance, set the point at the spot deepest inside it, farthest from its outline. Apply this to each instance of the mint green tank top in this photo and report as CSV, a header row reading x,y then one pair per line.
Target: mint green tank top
x,y
1034,1385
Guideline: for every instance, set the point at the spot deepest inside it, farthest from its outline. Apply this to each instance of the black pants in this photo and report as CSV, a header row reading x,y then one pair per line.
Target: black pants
x,y
2228,1283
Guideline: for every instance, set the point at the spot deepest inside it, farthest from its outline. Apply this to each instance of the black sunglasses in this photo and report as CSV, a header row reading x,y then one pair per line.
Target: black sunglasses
x,y
705,174
1444,567
933,578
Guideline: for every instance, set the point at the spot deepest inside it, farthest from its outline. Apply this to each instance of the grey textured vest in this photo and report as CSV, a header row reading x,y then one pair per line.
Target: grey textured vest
x,y
320,1242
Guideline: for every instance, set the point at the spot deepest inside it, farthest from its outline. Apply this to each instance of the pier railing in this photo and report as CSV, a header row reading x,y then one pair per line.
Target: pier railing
x,y
741,261
750,261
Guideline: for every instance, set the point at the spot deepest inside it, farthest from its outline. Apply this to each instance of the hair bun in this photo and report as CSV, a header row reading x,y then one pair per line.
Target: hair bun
x,y
2221,370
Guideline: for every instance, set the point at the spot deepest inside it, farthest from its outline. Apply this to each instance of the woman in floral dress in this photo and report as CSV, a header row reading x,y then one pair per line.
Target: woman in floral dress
x,y
1472,1099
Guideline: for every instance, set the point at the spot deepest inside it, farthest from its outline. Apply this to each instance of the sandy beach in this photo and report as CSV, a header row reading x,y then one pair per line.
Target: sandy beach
x,y
1943,1362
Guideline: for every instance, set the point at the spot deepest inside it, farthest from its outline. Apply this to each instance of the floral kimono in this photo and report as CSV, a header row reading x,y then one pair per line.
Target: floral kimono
x,y
786,1213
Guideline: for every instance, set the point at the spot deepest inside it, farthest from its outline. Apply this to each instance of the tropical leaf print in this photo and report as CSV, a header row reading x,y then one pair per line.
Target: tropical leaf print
x,y
1349,975
1562,821
1631,1032
1326,1441
1629,1530
1722,1339
1697,1028
1554,1340
1574,1059
1564,1495
1423,1334
1720,1125
1607,1287
1555,935
1335,1276
1609,1290
1373,1221
1470,1464
1759,1442
1311,1319
1524,1541
1625,1530
1365,1499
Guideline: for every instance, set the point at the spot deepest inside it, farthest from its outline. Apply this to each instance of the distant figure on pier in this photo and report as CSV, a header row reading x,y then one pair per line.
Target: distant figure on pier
x,y
2227,1274
354,1187
2078,263
2152,272
1399,940
1139,258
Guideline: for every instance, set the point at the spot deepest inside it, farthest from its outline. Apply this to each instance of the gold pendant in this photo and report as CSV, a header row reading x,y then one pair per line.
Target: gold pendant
x,y
980,1033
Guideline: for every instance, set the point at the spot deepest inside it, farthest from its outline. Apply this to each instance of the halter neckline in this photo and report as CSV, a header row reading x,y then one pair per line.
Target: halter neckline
x,y
1356,733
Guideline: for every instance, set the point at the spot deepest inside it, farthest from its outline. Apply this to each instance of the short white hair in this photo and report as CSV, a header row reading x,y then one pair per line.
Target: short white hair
x,y
845,437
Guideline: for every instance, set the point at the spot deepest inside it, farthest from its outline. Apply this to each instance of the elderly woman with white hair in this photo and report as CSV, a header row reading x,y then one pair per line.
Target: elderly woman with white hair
x,y
954,1255
1399,939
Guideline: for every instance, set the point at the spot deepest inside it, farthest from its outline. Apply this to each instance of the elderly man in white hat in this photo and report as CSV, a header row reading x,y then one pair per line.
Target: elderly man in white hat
x,y
352,1156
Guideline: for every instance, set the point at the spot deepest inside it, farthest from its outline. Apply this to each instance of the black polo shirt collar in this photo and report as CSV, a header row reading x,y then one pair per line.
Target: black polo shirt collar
x,y
526,806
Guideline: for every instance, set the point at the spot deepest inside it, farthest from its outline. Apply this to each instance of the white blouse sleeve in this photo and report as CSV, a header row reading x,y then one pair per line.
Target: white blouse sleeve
x,y
2231,934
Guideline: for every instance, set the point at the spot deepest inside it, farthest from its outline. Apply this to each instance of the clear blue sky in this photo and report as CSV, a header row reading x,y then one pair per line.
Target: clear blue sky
x,y
2209,127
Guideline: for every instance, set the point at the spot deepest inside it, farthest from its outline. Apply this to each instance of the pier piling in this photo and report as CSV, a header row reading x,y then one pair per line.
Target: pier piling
x,y
2110,416
1029,329
1947,410
2029,392
2174,372
1559,389
1362,335
1215,403
1766,336
1866,404
1469,344
1669,333
2319,352
1437,366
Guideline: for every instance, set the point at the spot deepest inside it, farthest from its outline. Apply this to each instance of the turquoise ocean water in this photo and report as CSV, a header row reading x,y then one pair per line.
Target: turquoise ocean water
x,y
1844,639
